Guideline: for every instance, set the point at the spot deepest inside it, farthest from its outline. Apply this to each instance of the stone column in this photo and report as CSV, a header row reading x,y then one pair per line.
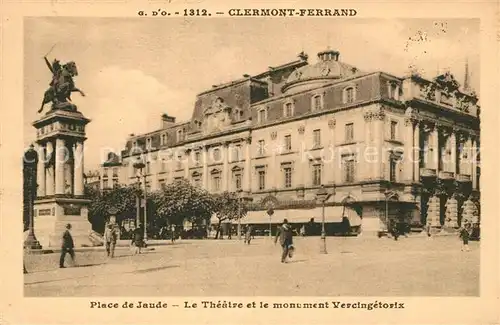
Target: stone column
x,y
379,119
303,161
247,186
41,171
49,172
435,148
368,155
408,167
416,152
59,174
453,144
186,164
225,167
331,151
205,167
78,168
473,160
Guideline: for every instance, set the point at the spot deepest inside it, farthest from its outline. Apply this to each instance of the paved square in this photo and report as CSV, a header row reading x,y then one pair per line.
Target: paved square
x,y
364,266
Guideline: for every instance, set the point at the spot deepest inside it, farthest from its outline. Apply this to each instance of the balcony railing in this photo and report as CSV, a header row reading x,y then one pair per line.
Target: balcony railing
x,y
427,172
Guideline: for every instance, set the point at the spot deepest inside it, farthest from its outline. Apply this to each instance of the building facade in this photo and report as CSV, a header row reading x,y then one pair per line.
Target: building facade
x,y
382,146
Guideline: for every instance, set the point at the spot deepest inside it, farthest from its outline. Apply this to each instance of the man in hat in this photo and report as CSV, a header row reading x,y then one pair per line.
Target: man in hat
x,y
67,246
285,236
110,238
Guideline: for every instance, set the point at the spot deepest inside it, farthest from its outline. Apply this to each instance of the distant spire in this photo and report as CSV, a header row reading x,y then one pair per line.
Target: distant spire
x,y
466,77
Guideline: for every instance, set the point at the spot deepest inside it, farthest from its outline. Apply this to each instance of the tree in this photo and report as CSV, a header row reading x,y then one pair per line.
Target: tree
x,y
228,207
181,201
120,198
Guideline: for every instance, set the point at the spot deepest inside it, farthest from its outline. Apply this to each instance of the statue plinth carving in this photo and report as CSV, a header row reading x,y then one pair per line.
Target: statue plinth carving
x,y
216,117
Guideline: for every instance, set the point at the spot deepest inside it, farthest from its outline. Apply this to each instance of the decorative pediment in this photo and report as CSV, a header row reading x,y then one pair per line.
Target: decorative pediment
x,y
216,117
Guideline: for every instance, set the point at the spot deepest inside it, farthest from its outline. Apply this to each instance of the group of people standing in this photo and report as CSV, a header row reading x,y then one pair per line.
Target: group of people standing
x,y
111,235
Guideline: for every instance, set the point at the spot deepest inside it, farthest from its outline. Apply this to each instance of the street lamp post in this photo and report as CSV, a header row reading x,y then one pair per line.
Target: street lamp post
x,y
30,162
138,202
270,212
322,196
388,195
239,214
139,165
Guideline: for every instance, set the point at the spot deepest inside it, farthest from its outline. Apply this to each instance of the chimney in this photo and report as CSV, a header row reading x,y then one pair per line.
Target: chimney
x,y
167,121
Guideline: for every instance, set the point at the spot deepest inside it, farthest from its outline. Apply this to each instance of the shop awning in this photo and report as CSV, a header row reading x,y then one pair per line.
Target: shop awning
x,y
332,214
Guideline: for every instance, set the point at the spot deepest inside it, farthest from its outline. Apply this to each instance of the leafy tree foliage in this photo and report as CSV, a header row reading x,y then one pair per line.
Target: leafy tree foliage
x,y
228,207
181,200
121,198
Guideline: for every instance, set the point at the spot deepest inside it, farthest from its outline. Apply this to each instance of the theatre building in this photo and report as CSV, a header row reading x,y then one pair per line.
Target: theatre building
x,y
382,146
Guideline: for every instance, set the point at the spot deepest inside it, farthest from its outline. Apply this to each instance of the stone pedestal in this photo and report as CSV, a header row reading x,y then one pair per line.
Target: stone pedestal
x,y
469,213
60,137
53,214
433,212
451,221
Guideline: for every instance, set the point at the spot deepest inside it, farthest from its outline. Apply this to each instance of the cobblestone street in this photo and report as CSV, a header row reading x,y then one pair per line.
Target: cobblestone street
x,y
364,266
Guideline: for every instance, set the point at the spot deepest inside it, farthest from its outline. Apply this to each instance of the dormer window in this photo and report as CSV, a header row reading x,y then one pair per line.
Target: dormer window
x,y
149,143
349,95
163,140
393,90
317,103
288,109
179,135
262,115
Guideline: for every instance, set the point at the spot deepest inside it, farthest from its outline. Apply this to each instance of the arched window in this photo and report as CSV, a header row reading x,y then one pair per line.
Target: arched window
x,y
262,115
179,135
349,94
317,103
288,109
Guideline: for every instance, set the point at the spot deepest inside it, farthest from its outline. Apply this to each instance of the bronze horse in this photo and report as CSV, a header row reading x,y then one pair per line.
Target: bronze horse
x,y
62,85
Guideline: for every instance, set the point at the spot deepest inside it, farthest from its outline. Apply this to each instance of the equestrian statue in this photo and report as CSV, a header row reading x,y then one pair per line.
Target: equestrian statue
x,y
61,85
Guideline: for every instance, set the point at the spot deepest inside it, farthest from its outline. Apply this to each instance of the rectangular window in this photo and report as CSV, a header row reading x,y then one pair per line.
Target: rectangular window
x,y
262,179
237,181
179,162
316,138
148,143
262,116
148,167
216,182
237,153
217,155
162,184
288,177
349,95
349,171
115,182
392,170
115,172
261,147
163,165
288,143
349,132
317,103
316,175
394,126
105,183
197,156
288,110
105,173
197,182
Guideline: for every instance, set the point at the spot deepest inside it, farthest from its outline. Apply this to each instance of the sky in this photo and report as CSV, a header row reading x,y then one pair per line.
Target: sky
x,y
134,69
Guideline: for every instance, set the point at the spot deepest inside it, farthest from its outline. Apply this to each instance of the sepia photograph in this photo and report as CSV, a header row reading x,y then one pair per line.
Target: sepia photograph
x,y
251,157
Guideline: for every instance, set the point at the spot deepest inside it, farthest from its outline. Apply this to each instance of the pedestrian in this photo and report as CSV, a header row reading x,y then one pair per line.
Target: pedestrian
x,y
173,234
110,238
285,236
67,246
303,231
248,234
465,234
138,239
393,229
